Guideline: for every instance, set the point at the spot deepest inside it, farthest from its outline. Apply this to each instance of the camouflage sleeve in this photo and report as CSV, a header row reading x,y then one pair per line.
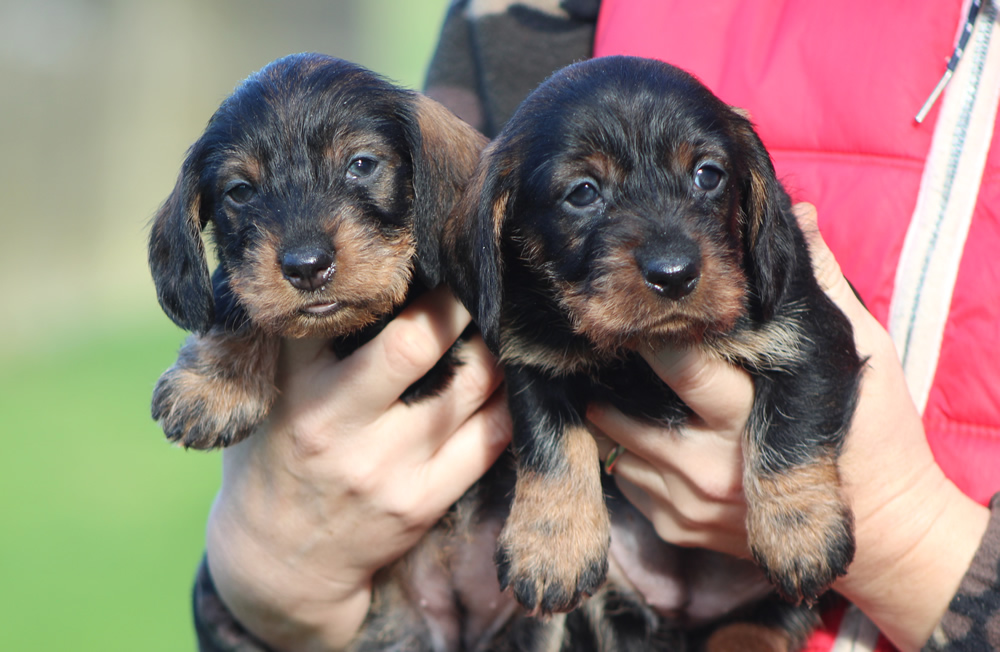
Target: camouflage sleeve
x,y
216,628
492,53
972,621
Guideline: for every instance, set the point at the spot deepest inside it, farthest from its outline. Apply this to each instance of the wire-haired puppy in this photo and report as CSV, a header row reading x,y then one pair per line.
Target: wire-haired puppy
x,y
624,207
326,187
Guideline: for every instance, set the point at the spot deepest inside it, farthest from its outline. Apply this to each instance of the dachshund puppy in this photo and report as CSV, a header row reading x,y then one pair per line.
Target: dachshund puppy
x,y
326,187
624,208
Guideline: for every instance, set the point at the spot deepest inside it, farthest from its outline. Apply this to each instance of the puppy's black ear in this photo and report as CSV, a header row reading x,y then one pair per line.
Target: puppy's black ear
x,y
769,229
471,248
445,151
177,254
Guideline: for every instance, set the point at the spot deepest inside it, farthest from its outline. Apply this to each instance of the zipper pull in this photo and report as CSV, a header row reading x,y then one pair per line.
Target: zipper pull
x,y
956,56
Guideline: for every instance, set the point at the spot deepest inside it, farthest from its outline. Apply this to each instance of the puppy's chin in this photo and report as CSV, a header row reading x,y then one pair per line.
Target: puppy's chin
x,y
324,314
674,331
638,320
323,320
349,302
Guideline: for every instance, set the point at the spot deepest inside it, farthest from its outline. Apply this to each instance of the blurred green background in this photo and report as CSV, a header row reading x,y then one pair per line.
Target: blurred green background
x,y
101,521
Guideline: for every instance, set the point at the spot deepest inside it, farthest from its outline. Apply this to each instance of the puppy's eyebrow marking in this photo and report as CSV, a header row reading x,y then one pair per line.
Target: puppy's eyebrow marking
x,y
601,165
242,165
684,156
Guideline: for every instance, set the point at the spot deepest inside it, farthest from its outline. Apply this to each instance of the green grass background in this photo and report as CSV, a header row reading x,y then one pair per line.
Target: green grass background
x,y
101,521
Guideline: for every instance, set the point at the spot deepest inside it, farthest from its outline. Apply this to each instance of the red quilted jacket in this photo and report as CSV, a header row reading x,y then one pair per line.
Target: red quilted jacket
x,y
833,88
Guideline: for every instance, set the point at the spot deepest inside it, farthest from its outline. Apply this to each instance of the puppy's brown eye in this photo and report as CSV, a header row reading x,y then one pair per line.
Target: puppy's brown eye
x,y
709,176
361,167
240,192
583,195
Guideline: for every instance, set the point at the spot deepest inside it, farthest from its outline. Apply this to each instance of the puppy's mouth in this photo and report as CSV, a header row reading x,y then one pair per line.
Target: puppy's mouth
x,y
321,309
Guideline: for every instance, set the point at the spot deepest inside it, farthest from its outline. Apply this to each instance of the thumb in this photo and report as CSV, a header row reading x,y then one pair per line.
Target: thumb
x,y
825,267
700,379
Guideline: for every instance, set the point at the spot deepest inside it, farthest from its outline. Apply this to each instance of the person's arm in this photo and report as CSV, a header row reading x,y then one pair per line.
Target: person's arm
x,y
489,56
916,531
972,621
344,479
215,627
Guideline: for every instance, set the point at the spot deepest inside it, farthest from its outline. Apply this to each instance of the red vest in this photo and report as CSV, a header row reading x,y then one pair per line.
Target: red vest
x,y
833,88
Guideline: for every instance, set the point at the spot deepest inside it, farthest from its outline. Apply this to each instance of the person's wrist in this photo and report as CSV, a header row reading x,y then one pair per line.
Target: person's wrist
x,y
275,591
913,552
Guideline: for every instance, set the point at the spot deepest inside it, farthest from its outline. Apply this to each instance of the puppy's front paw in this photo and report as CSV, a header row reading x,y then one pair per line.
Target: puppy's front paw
x,y
553,549
203,412
800,530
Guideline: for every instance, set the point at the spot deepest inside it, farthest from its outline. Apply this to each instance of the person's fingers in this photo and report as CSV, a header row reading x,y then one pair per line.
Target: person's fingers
x,y
465,456
325,401
423,487
871,338
724,533
825,266
708,462
476,378
376,374
692,509
614,427
719,393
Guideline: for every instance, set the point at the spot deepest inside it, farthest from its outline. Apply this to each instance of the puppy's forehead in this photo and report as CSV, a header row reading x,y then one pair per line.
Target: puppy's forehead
x,y
312,101
303,83
622,106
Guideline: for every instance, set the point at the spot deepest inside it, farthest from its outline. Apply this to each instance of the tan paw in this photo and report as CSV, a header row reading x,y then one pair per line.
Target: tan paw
x,y
800,530
553,549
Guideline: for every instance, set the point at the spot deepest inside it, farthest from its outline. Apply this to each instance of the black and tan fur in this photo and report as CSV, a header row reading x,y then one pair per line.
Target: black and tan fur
x,y
326,187
622,208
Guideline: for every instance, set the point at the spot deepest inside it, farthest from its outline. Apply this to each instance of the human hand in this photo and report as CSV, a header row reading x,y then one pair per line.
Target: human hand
x,y
344,478
689,484
916,533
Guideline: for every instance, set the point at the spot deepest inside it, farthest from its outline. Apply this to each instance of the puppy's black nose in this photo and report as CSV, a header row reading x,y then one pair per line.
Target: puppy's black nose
x,y
673,275
307,269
